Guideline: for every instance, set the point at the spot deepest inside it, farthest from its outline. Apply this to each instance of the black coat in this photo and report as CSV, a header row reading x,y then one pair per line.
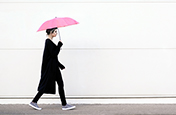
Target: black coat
x,y
50,67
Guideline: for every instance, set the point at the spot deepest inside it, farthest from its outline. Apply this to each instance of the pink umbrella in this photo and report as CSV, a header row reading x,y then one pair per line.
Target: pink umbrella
x,y
57,22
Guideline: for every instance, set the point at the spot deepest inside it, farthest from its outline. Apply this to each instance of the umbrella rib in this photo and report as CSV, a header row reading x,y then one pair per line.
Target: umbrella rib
x,y
66,23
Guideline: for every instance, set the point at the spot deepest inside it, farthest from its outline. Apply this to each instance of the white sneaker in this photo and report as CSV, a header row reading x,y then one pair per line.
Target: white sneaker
x,y
68,107
35,106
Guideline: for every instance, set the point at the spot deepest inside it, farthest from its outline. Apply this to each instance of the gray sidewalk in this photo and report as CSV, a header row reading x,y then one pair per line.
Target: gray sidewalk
x,y
86,109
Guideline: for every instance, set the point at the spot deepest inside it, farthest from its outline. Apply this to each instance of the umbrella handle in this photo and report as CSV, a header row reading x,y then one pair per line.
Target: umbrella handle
x,y
59,35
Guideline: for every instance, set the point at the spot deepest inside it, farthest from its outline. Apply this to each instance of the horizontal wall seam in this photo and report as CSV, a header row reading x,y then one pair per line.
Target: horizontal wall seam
x,y
154,97
93,2
91,48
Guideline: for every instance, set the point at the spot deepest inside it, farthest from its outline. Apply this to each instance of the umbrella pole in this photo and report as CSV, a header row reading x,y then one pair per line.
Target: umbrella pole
x,y
59,35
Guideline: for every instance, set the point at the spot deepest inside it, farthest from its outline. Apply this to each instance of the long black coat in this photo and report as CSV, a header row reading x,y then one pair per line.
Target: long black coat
x,y
50,67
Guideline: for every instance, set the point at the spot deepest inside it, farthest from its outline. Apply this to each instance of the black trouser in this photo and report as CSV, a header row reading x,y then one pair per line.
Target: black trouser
x,y
61,92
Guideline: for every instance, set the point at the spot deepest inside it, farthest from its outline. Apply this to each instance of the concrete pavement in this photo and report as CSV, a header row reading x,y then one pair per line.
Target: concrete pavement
x,y
91,109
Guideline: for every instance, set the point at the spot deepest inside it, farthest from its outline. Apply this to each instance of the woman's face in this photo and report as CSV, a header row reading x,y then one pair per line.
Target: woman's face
x,y
54,34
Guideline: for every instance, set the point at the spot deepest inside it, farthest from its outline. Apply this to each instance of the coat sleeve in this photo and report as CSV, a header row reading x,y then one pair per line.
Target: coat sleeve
x,y
54,50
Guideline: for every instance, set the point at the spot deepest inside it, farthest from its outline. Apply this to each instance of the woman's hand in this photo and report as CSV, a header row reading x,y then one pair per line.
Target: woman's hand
x,y
62,68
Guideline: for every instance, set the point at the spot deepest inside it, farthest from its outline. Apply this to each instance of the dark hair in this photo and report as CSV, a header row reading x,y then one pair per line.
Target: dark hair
x,y
50,30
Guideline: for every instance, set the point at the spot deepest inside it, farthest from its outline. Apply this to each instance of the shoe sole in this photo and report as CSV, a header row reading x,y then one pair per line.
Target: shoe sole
x,y
69,108
35,107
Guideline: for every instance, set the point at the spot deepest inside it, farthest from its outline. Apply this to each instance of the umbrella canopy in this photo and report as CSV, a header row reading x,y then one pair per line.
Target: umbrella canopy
x,y
57,22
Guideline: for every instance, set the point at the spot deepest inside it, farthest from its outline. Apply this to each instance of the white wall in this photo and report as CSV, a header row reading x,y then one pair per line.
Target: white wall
x,y
118,49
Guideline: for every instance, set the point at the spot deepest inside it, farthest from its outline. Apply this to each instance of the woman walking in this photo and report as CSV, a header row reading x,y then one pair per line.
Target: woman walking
x,y
50,72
